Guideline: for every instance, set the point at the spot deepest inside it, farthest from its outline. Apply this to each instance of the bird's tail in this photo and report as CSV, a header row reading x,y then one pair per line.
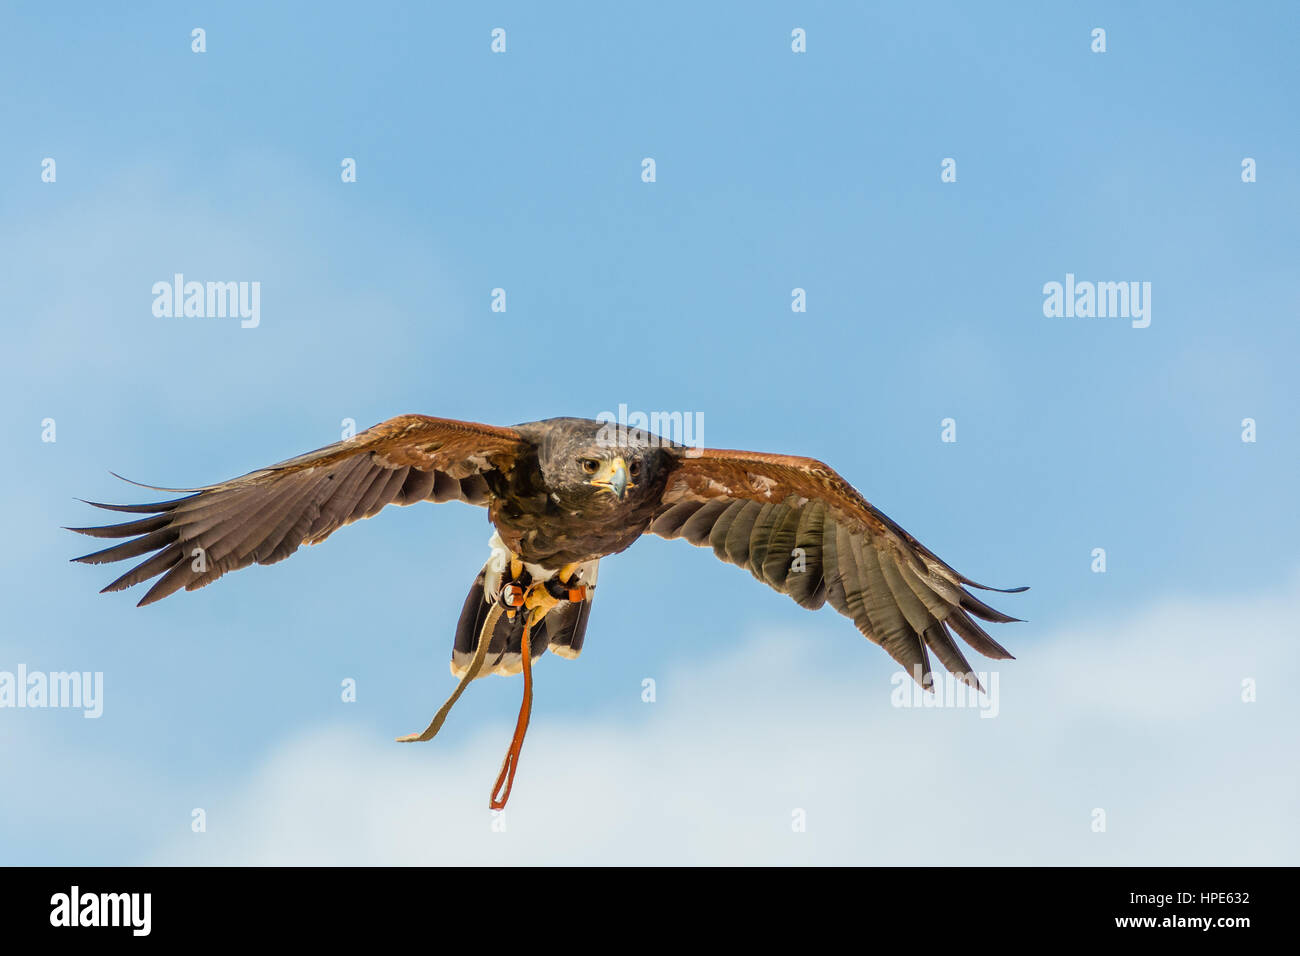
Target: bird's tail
x,y
562,630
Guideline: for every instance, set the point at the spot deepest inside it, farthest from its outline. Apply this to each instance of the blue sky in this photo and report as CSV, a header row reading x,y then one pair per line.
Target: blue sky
x,y
775,170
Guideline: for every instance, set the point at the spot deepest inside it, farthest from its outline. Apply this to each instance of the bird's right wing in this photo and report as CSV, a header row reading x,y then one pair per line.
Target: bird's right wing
x,y
264,516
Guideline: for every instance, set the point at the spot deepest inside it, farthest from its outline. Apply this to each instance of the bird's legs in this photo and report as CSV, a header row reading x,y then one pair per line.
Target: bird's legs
x,y
543,595
537,600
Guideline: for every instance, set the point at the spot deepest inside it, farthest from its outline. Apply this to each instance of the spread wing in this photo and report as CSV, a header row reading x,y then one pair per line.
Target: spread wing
x,y
802,529
265,515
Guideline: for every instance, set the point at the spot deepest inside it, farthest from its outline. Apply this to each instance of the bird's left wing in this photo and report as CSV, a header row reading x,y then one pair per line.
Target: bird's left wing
x,y
265,515
800,528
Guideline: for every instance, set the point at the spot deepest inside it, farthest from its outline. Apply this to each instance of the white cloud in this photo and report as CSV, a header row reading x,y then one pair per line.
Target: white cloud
x,y
1141,717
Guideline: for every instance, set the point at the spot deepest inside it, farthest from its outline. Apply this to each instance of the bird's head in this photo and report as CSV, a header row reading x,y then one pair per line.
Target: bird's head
x,y
586,468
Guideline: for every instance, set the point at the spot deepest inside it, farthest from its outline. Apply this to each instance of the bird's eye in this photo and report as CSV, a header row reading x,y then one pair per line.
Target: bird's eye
x,y
590,465
634,469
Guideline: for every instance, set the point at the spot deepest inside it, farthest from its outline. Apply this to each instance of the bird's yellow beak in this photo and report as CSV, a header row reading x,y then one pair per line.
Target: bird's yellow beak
x,y
614,477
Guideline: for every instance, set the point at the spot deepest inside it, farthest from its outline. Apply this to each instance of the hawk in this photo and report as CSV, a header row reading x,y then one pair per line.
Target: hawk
x,y
561,495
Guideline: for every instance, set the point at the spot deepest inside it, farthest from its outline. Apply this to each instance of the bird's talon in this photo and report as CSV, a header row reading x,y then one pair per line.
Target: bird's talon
x,y
539,598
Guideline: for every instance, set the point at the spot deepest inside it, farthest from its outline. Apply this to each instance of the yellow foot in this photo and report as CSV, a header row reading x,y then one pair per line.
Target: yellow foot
x,y
539,602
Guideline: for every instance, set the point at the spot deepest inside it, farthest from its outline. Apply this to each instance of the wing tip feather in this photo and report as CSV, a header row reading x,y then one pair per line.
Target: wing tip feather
x,y
141,484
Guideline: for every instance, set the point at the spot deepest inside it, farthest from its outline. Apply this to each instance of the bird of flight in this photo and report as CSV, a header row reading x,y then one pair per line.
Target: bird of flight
x,y
562,494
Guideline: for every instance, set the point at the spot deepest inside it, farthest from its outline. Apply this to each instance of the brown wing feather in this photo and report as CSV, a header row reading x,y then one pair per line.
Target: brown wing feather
x,y
800,528
264,516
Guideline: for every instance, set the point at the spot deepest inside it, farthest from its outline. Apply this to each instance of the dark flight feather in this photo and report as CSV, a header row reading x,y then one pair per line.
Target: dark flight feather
x,y
804,531
264,516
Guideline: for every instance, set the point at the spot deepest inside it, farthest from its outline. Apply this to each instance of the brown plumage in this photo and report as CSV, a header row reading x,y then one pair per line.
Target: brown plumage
x,y
794,523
